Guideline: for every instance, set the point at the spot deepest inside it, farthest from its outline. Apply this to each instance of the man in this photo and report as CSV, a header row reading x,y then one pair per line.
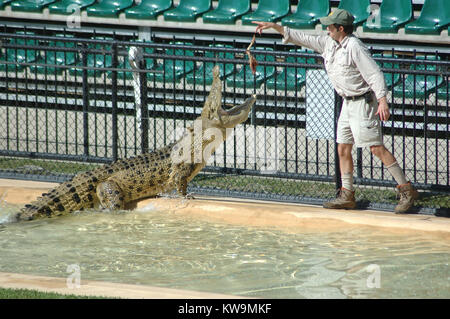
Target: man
x,y
358,79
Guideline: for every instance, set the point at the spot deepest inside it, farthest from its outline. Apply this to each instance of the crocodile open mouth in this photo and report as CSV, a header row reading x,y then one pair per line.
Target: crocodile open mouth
x,y
248,103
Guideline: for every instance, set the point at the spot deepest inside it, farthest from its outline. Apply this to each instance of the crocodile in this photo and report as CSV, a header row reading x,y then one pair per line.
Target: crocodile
x,y
172,167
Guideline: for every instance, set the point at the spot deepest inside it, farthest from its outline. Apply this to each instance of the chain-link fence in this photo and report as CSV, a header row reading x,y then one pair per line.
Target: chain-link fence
x,y
69,103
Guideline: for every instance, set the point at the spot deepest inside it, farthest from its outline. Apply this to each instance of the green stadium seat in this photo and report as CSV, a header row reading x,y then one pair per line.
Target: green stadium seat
x,y
124,64
359,9
20,55
3,3
96,60
55,57
267,10
148,9
393,14
203,75
392,79
291,78
307,14
444,91
227,11
419,86
173,69
68,6
188,10
245,77
434,17
108,8
149,62
30,5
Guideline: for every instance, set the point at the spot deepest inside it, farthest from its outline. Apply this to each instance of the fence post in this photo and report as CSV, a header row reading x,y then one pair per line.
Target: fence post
x,y
137,63
337,111
359,160
114,103
85,101
144,108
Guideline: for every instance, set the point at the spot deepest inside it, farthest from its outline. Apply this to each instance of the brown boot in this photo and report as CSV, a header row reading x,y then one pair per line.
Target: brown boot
x,y
407,194
345,199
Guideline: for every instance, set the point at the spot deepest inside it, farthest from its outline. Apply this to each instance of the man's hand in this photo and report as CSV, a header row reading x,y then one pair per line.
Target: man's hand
x,y
267,25
383,109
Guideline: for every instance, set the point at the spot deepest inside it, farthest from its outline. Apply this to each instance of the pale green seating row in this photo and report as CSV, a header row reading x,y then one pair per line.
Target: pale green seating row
x,y
187,10
390,78
203,75
227,11
444,91
393,14
3,3
359,9
291,78
69,6
418,85
30,5
56,58
267,10
108,8
148,9
307,14
19,55
173,69
434,17
244,78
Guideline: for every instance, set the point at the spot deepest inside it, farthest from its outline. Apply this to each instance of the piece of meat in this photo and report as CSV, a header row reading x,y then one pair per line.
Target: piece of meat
x,y
251,59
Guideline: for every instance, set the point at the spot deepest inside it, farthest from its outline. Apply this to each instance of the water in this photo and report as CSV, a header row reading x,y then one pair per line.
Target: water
x,y
168,249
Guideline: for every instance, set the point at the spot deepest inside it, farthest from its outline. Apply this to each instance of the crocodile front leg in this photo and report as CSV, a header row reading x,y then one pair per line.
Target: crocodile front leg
x,y
182,186
110,195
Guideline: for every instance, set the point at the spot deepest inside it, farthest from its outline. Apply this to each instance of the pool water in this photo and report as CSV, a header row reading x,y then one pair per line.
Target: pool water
x,y
167,249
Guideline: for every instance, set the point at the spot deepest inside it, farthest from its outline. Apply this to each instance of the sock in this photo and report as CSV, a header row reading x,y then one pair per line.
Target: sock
x,y
347,181
397,173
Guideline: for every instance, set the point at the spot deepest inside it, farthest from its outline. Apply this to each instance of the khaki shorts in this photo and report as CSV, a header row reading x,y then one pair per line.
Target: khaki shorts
x,y
358,123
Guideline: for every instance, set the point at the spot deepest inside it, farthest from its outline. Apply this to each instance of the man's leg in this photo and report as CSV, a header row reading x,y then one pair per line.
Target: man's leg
x,y
407,192
346,165
346,198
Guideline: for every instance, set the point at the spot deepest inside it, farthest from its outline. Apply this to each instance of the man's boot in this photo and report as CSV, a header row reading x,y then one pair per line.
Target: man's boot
x,y
407,196
345,199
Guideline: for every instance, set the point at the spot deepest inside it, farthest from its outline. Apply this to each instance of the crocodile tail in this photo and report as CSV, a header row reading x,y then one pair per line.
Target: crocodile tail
x,y
76,194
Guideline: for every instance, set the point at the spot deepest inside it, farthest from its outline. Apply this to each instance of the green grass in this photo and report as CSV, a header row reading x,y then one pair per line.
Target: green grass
x,y
239,183
7,293
311,189
34,166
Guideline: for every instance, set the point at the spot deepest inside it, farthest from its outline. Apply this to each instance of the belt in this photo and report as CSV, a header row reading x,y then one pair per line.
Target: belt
x,y
354,98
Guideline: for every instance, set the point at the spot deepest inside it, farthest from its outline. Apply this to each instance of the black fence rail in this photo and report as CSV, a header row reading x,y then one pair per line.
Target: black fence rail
x,y
68,103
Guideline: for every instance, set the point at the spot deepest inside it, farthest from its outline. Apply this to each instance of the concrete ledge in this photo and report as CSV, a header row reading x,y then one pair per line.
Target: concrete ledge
x,y
102,289
289,217
297,217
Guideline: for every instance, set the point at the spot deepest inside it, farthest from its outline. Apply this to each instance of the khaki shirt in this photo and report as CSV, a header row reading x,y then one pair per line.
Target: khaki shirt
x,y
349,65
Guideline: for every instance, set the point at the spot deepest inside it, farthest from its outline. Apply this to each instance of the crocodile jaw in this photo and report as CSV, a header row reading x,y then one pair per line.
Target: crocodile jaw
x,y
246,106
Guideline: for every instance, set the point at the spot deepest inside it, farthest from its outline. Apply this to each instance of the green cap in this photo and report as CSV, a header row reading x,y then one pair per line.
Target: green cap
x,y
338,16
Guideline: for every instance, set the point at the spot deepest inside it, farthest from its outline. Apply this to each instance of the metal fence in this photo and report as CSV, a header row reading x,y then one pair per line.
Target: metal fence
x,y
68,103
